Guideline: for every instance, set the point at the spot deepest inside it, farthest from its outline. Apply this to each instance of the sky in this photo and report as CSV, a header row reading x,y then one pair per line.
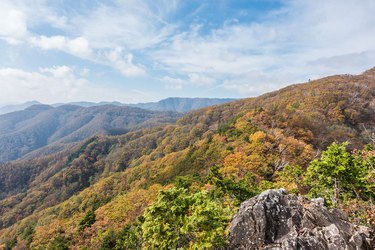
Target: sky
x,y
139,51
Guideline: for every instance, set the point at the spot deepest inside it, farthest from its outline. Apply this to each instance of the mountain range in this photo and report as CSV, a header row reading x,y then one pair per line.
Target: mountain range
x,y
181,104
179,184
177,104
43,129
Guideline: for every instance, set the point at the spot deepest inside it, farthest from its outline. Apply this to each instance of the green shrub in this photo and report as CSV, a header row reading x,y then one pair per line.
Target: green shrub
x,y
87,220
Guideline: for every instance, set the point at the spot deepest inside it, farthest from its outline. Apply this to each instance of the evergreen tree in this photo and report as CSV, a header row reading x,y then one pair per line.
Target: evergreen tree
x,y
87,220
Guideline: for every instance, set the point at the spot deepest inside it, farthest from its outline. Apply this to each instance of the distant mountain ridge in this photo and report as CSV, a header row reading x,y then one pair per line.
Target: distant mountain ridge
x,y
38,126
17,107
88,104
177,104
181,104
39,129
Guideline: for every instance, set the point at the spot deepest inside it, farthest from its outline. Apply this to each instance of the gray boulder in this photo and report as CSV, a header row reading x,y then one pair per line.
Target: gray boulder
x,y
277,220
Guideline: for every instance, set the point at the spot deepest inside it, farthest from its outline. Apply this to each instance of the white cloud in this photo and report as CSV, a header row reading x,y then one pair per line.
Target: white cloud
x,y
304,39
63,72
173,83
131,24
124,63
194,79
79,46
233,49
101,33
18,16
13,26
198,79
52,85
84,72
255,83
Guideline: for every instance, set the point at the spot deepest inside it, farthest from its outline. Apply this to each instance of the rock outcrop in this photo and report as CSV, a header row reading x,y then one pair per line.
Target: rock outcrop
x,y
277,220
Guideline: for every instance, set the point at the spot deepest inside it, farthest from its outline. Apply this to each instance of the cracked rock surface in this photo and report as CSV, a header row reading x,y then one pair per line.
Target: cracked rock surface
x,y
277,220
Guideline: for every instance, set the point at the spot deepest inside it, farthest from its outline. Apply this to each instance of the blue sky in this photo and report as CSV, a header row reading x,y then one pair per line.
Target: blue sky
x,y
136,51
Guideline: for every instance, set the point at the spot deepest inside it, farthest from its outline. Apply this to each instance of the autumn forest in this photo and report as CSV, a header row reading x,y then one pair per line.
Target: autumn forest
x,y
179,184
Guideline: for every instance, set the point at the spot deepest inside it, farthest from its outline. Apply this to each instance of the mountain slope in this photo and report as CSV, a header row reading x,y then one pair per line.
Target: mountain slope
x,y
119,176
24,131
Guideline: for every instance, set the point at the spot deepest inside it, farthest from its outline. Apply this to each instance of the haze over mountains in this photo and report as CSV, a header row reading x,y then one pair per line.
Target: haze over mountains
x,y
178,104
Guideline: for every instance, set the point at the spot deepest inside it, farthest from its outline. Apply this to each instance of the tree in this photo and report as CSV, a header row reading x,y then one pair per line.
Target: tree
x,y
338,175
87,220
59,243
207,222
180,218
240,189
10,244
109,240
292,176
131,235
164,219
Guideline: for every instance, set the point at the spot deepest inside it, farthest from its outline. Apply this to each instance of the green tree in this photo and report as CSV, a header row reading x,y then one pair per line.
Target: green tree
x,y
295,175
60,242
10,244
109,240
131,235
87,220
165,218
338,175
181,219
207,223
240,190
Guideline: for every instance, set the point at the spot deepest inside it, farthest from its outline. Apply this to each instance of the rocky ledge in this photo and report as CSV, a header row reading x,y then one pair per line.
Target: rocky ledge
x,y
277,220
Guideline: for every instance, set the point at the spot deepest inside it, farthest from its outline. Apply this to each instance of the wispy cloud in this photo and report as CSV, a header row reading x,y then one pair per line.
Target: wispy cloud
x,y
13,27
78,46
193,78
55,84
124,63
107,35
131,24
291,44
164,41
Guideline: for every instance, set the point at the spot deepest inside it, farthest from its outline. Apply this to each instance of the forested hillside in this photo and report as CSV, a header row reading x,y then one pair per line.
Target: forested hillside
x,y
179,185
38,126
